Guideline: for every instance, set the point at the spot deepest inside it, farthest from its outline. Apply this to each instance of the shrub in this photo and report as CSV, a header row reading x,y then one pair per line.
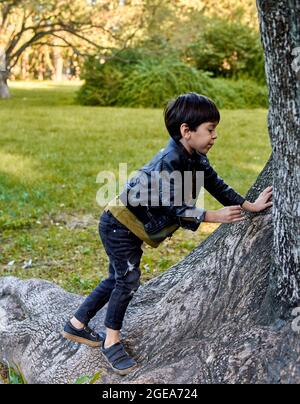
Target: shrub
x,y
138,79
152,83
239,94
103,83
227,49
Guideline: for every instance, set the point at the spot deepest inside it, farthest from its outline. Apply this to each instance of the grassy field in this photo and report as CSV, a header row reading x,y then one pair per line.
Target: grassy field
x,y
51,151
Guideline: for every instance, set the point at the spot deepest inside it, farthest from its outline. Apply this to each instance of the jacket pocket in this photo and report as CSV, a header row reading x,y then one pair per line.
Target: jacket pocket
x,y
156,224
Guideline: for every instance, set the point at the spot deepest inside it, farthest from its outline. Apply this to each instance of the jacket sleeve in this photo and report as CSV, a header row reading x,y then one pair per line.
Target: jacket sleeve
x,y
186,216
220,190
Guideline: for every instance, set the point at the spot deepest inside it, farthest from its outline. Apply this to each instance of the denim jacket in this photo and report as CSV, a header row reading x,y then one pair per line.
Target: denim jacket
x,y
158,219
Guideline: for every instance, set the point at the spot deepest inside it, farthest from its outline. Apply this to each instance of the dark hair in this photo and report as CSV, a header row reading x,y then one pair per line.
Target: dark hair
x,y
192,109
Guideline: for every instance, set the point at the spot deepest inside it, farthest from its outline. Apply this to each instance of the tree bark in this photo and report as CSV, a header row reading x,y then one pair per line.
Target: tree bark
x,y
280,30
4,74
4,90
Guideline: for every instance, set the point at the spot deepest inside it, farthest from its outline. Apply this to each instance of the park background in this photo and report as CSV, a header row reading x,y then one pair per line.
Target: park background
x,y
75,111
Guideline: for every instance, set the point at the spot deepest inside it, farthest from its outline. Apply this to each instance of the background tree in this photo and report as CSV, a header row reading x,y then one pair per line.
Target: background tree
x,y
228,49
83,26
184,29
280,28
240,10
179,42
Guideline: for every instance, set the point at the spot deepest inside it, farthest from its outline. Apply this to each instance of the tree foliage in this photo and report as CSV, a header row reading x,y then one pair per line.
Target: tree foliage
x,y
181,46
227,49
138,79
101,26
84,26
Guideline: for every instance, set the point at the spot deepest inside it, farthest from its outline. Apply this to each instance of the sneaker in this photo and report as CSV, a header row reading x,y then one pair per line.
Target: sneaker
x,y
118,359
85,336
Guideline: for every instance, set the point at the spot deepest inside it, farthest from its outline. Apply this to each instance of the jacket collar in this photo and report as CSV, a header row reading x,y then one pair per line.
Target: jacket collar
x,y
183,151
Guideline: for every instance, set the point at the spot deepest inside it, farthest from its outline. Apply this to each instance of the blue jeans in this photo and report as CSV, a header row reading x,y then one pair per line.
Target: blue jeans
x,y
124,251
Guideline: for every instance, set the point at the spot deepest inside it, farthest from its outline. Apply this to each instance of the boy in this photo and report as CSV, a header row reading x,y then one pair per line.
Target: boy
x,y
191,121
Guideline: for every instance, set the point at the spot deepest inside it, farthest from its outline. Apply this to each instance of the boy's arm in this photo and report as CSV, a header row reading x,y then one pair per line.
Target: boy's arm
x,y
233,214
222,192
235,202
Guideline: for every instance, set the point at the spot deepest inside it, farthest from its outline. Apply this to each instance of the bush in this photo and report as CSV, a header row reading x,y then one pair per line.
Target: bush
x,y
103,81
153,83
227,49
239,94
138,79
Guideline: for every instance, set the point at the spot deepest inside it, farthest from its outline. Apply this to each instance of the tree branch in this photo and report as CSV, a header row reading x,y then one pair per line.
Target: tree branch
x,y
17,37
13,59
7,9
53,25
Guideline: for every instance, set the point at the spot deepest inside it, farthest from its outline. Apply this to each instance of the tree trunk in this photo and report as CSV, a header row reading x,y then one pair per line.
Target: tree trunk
x,y
25,66
280,29
58,63
4,74
4,90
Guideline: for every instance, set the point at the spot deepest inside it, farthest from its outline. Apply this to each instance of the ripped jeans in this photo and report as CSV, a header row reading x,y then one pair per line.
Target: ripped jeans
x,y
124,251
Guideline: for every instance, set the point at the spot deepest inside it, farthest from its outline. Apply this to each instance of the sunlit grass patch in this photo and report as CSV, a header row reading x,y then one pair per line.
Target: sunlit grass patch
x,y
19,167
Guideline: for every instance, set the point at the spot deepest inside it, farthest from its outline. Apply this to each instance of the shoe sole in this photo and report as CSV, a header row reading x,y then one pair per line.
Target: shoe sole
x,y
79,340
123,372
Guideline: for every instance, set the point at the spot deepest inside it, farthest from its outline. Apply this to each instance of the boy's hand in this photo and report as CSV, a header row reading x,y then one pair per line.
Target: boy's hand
x,y
230,214
233,214
262,202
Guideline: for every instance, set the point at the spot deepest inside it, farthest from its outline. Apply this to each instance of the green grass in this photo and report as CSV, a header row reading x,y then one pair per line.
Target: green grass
x,y
51,151
11,375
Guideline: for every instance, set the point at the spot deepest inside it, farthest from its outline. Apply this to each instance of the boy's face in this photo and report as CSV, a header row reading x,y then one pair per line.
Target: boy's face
x,y
202,139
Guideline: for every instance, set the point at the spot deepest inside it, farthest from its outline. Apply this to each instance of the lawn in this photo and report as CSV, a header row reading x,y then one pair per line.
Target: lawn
x,y
51,151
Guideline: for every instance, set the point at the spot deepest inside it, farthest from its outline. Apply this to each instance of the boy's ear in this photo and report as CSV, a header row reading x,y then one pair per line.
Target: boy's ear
x,y
185,130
